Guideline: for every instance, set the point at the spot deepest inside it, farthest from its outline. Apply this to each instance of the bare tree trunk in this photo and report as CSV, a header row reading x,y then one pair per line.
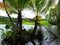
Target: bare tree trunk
x,y
19,20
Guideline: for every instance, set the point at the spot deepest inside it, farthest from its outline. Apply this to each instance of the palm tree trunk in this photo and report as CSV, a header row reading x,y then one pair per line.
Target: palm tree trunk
x,y
19,20
58,14
7,12
36,22
58,17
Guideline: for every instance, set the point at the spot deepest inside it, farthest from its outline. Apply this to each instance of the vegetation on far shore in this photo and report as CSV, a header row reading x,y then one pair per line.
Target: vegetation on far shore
x,y
5,20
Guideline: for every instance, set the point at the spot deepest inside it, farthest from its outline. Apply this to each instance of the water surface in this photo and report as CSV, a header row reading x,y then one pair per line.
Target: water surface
x,y
48,37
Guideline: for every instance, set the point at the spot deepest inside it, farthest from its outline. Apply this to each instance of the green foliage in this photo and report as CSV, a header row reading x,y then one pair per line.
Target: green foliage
x,y
25,37
14,35
17,4
45,23
31,30
7,26
39,18
36,5
52,17
6,34
5,20
49,4
10,34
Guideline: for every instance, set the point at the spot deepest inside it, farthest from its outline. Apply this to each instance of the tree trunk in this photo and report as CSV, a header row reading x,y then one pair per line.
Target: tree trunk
x,y
7,11
36,22
58,17
58,31
19,20
58,13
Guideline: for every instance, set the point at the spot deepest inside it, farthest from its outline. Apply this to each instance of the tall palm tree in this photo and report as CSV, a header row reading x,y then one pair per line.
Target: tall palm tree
x,y
38,7
18,6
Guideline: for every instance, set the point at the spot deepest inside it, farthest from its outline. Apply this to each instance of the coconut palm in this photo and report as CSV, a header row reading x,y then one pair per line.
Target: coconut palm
x,y
18,6
39,6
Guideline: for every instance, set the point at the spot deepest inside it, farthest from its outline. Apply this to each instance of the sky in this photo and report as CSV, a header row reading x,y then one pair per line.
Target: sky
x,y
0,0
26,13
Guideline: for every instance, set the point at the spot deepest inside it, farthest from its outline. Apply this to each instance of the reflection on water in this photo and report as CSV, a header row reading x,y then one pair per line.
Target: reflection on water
x,y
48,37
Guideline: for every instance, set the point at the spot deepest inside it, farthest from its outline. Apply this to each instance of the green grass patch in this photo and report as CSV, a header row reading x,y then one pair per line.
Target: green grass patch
x,y
28,23
45,23
2,23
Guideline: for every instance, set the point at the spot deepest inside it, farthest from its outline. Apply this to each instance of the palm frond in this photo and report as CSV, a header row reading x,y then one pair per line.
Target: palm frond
x,y
17,4
49,6
37,4
12,3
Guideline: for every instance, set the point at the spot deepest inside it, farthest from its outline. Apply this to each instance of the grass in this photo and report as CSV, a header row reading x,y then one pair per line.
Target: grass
x,y
43,22
28,22
2,22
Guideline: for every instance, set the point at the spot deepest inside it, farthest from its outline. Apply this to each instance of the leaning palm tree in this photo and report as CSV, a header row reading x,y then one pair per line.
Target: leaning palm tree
x,y
7,11
17,6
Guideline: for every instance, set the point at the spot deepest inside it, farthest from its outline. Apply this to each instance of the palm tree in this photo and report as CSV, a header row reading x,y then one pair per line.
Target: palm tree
x,y
18,6
38,7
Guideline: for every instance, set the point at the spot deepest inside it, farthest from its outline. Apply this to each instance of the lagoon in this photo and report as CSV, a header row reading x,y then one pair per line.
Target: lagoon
x,y
48,37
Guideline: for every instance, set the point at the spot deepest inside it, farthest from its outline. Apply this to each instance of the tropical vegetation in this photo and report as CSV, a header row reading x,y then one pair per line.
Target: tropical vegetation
x,y
17,33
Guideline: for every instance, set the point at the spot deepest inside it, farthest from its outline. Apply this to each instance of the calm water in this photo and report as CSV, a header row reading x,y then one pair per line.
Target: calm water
x,y
48,37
